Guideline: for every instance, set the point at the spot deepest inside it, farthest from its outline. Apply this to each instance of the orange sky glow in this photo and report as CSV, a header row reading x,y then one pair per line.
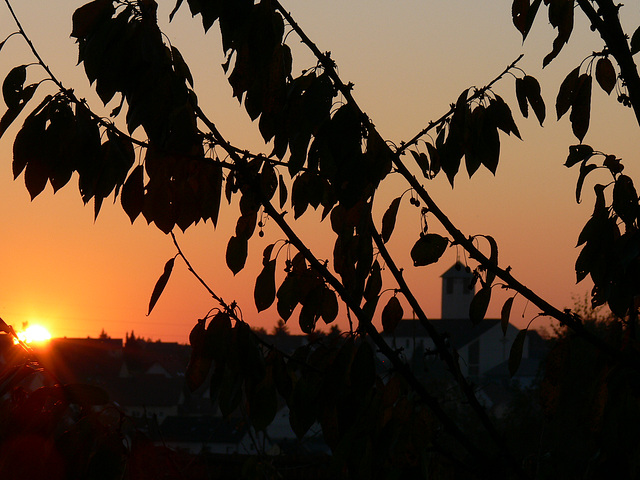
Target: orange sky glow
x,y
408,60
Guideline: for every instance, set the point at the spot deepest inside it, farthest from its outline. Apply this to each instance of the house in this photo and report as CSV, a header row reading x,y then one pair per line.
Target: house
x,y
483,349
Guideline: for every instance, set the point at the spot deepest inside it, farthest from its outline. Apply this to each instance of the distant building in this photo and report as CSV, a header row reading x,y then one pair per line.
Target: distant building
x,y
483,349
457,292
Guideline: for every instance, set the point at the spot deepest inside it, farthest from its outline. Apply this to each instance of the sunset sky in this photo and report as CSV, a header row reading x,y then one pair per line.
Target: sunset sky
x,y
409,60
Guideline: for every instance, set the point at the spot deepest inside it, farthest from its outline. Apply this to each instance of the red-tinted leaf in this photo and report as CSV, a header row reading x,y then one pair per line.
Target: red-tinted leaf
x,y
515,355
479,305
86,18
505,313
606,74
264,292
428,249
392,314
389,220
236,256
132,197
581,110
161,283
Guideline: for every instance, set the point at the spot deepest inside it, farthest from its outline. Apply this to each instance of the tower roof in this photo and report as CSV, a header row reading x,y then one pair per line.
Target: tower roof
x,y
457,270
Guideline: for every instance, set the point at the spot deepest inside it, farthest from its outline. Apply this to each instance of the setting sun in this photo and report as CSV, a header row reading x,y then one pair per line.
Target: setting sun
x,y
34,334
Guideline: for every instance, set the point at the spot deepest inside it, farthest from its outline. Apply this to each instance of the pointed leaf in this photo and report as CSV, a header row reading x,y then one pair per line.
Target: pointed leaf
x,y
374,282
161,283
282,188
391,314
491,276
505,313
577,154
428,249
479,305
264,292
521,95
515,355
389,220
606,75
236,256
567,92
502,116
180,66
132,197
584,171
635,42
86,18
581,109
532,89
13,85
330,307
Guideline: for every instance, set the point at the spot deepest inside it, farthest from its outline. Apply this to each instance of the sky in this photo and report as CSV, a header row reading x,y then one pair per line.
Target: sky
x,y
409,60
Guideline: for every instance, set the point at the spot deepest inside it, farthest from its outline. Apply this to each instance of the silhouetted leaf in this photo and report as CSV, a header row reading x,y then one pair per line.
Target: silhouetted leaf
x,y
635,42
494,259
561,17
288,297
625,200
584,171
180,66
161,283
391,314
264,292
236,256
374,282
13,85
132,197
329,307
502,117
282,188
521,96
577,154
479,305
532,88
515,355
523,15
86,18
428,249
581,109
567,92
389,220
505,313
606,74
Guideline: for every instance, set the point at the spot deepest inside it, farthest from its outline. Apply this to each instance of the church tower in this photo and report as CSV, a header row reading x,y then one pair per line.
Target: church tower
x,y
456,294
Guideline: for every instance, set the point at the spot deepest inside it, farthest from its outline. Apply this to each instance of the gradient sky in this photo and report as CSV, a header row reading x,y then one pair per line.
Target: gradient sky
x,y
408,59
